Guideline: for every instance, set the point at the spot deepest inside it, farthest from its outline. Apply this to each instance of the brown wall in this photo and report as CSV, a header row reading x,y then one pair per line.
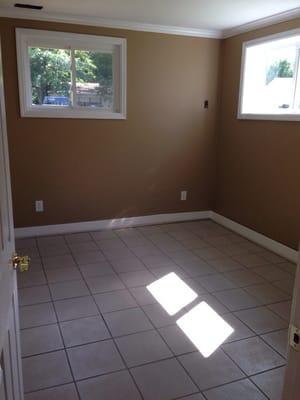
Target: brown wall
x,y
95,169
258,161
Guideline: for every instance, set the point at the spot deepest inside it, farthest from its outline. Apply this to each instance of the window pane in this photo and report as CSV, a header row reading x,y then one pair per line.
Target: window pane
x,y
94,79
270,77
280,80
50,71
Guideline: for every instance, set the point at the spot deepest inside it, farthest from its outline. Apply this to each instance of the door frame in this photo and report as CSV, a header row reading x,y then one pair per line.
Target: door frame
x,y
291,386
11,360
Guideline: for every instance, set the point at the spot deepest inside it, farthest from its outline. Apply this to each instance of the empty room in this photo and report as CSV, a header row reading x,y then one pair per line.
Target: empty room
x,y
149,200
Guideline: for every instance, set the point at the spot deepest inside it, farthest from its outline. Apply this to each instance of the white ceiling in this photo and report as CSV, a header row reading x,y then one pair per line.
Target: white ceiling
x,y
193,14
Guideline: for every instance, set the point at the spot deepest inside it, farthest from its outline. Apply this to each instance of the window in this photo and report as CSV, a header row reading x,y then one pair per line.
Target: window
x,y
66,75
270,78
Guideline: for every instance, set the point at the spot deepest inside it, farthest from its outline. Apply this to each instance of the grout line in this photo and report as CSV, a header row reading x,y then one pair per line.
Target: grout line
x,y
149,330
77,265
194,278
157,331
261,373
247,376
51,387
204,392
138,306
109,331
184,367
153,362
63,341
272,347
178,360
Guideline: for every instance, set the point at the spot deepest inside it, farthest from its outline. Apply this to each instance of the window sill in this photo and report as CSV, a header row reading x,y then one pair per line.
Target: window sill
x,y
270,117
71,113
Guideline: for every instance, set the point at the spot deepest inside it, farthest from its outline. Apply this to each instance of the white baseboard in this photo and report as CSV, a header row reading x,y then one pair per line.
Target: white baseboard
x,y
256,237
117,223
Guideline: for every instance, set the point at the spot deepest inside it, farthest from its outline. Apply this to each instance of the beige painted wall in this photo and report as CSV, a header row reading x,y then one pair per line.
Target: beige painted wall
x,y
95,169
258,161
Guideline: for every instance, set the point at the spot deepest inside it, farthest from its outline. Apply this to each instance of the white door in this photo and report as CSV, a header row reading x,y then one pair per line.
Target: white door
x,y
11,387
291,388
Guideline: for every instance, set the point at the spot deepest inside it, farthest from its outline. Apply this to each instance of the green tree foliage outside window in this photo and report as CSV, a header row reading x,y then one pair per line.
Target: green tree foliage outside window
x,y
93,67
51,71
280,69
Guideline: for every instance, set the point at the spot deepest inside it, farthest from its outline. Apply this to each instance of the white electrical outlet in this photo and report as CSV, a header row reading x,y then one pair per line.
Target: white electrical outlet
x,y
183,195
39,206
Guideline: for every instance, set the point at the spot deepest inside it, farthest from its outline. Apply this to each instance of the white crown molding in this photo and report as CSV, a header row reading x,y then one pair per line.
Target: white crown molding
x,y
109,23
144,27
262,22
264,241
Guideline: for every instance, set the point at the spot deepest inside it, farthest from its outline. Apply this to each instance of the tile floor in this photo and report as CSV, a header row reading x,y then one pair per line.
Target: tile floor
x,y
91,330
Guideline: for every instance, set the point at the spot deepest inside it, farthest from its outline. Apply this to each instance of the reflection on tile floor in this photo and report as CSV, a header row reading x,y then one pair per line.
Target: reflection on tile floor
x,y
91,329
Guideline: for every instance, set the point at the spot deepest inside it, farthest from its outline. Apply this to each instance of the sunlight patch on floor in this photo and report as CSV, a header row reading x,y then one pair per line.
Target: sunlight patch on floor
x,y
205,328
172,293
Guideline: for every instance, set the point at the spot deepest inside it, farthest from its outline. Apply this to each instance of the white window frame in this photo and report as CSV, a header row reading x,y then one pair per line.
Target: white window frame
x,y
70,41
284,116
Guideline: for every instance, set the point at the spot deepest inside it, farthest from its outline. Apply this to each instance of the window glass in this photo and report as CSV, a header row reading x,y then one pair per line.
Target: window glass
x,y
270,83
50,71
94,79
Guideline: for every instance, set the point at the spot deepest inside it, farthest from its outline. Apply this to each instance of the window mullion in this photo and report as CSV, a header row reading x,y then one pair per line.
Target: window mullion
x,y
73,77
296,79
296,98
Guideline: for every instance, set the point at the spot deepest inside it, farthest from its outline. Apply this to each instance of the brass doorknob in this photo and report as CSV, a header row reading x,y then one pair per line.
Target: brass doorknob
x,y
21,262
